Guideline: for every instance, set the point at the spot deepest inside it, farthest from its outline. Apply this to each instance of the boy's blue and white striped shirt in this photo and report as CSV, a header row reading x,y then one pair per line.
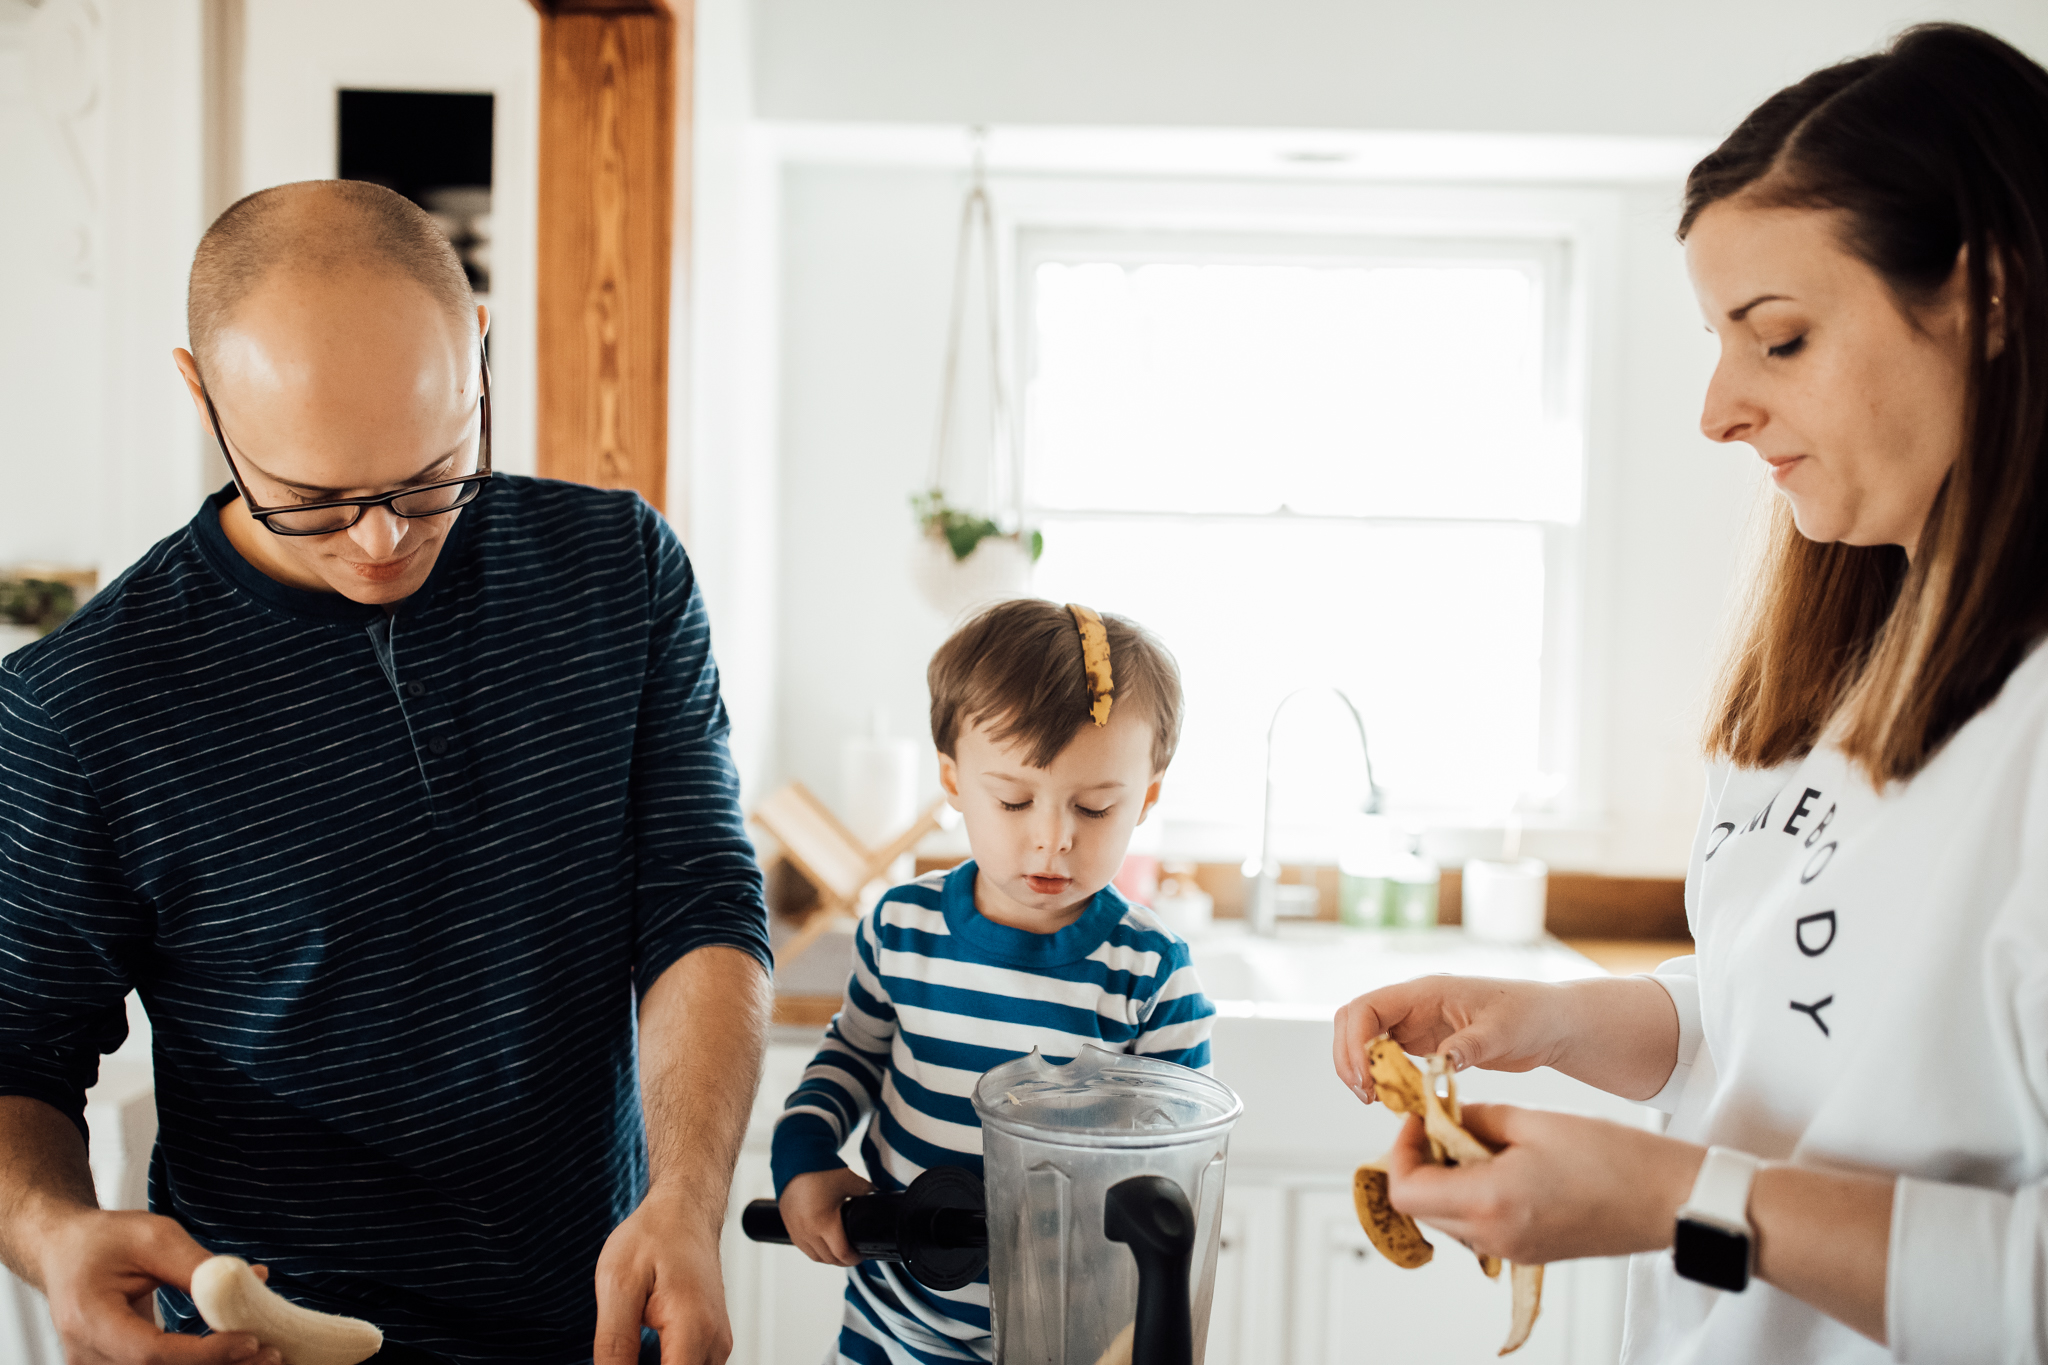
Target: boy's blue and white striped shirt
x,y
939,995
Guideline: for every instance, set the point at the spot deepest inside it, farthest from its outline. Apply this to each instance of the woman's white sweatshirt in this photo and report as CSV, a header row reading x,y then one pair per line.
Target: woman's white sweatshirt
x,y
1870,993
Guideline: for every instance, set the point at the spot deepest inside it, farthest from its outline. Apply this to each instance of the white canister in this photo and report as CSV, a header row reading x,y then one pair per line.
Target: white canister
x,y
878,800
878,787
1503,901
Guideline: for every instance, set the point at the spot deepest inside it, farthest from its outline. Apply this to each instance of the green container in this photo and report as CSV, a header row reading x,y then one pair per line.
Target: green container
x,y
1362,900
1411,905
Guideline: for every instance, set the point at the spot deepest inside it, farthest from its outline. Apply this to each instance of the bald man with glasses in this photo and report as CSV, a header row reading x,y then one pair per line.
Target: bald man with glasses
x,y
399,790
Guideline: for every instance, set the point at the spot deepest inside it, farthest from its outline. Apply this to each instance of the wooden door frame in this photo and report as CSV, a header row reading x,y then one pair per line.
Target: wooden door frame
x,y
613,236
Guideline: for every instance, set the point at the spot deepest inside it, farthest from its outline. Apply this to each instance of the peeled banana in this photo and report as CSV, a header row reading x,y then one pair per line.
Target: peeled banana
x,y
231,1299
1433,1098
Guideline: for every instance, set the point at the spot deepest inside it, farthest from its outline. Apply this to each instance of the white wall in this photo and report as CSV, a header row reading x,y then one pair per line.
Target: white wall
x,y
101,154
1636,67
50,291
723,466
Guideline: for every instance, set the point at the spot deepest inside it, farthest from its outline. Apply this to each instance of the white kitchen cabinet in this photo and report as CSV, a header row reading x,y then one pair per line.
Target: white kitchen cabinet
x,y
784,1306
1350,1303
1247,1315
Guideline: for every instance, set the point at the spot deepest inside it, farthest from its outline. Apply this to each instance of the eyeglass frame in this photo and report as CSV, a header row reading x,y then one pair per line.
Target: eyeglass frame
x,y
362,505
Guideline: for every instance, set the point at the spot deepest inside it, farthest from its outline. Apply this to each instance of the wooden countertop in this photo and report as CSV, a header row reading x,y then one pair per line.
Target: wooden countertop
x,y
1627,956
1622,956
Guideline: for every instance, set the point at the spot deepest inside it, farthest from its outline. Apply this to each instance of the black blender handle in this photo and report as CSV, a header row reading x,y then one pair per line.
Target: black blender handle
x,y
1150,1214
937,1229
870,1221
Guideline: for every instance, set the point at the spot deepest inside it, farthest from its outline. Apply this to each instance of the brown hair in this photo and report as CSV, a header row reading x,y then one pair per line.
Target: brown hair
x,y
1017,666
320,226
1935,148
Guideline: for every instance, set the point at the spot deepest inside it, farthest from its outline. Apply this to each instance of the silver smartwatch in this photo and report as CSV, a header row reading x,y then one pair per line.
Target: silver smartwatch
x,y
1714,1243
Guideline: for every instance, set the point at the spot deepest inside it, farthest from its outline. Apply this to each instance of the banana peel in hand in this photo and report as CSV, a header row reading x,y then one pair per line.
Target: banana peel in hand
x,y
1405,1089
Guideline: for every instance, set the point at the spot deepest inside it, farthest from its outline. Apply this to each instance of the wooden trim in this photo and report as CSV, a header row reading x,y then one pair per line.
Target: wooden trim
x,y
608,134
550,9
1628,956
1586,905
805,1011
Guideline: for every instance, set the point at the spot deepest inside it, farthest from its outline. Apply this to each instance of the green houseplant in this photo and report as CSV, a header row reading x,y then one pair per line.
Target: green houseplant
x,y
37,604
963,532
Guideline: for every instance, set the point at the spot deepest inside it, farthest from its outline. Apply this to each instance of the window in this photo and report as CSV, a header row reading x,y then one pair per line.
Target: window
x,y
1316,461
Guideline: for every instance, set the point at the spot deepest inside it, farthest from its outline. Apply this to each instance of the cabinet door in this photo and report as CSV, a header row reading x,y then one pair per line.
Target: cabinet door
x,y
1245,1316
784,1307
1350,1303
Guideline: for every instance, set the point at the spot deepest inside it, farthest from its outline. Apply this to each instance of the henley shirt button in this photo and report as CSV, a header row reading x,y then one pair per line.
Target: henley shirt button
x,y
438,745
417,689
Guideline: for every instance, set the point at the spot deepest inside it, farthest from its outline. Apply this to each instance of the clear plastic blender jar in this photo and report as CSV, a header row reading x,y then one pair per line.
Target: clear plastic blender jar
x,y
1055,1141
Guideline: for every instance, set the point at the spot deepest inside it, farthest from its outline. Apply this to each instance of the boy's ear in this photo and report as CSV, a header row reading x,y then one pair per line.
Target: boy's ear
x,y
949,780
1152,796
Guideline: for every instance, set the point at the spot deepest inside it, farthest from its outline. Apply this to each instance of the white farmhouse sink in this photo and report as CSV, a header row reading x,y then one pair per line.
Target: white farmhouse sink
x,y
1308,970
1275,999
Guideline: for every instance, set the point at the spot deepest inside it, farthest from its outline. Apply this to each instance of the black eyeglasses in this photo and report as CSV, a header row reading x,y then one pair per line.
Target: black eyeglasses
x,y
325,518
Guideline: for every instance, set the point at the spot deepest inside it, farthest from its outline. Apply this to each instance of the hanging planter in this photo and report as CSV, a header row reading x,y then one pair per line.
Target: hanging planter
x,y
967,557
965,561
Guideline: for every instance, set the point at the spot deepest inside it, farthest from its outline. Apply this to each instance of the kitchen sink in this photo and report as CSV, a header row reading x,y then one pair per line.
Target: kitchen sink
x,y
1308,970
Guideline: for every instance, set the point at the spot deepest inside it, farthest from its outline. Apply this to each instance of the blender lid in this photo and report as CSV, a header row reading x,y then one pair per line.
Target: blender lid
x,y
1104,1098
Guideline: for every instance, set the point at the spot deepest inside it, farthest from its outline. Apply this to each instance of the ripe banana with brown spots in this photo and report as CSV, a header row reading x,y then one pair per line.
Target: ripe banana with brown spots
x,y
1433,1098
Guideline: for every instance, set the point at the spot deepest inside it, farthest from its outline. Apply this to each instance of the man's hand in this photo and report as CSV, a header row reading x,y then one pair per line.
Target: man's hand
x,y
703,1030
810,1210
660,1267
99,1269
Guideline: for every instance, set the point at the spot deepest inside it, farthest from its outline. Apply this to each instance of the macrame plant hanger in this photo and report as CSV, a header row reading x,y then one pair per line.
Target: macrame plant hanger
x,y
977,226
967,556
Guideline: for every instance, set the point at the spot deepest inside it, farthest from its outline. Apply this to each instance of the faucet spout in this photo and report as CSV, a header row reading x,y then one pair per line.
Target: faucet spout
x,y
1262,896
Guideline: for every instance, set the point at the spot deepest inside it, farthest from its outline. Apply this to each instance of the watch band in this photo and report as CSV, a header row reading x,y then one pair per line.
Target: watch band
x,y
1713,1243
1720,1193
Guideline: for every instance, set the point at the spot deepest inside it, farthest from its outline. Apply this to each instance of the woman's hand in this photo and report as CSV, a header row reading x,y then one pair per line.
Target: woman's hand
x,y
1474,1020
1619,1034
1561,1186
810,1210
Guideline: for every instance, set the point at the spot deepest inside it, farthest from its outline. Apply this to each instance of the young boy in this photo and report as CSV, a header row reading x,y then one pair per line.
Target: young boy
x,y
1054,728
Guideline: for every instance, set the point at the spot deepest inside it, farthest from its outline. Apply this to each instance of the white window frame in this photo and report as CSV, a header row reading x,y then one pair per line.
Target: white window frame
x,y
1569,235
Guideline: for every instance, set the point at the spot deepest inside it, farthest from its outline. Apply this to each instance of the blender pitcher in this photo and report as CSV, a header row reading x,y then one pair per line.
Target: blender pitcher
x,y
1092,1169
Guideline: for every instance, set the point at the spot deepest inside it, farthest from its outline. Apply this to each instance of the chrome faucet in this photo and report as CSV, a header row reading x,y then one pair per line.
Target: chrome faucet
x,y
1262,900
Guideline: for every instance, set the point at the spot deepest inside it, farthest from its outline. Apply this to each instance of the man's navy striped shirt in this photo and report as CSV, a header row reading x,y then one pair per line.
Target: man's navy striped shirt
x,y
387,885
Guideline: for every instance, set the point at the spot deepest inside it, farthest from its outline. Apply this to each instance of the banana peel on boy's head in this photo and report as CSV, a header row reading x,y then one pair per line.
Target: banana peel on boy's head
x,y
1433,1098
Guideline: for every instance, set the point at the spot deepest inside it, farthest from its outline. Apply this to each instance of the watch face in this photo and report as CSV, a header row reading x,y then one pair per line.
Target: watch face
x,y
1711,1255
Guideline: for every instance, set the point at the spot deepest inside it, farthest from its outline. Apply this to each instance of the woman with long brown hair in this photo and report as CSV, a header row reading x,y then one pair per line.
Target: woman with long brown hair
x,y
1856,1060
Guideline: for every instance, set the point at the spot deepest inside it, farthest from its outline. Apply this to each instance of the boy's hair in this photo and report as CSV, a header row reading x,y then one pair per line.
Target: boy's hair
x,y
1017,667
